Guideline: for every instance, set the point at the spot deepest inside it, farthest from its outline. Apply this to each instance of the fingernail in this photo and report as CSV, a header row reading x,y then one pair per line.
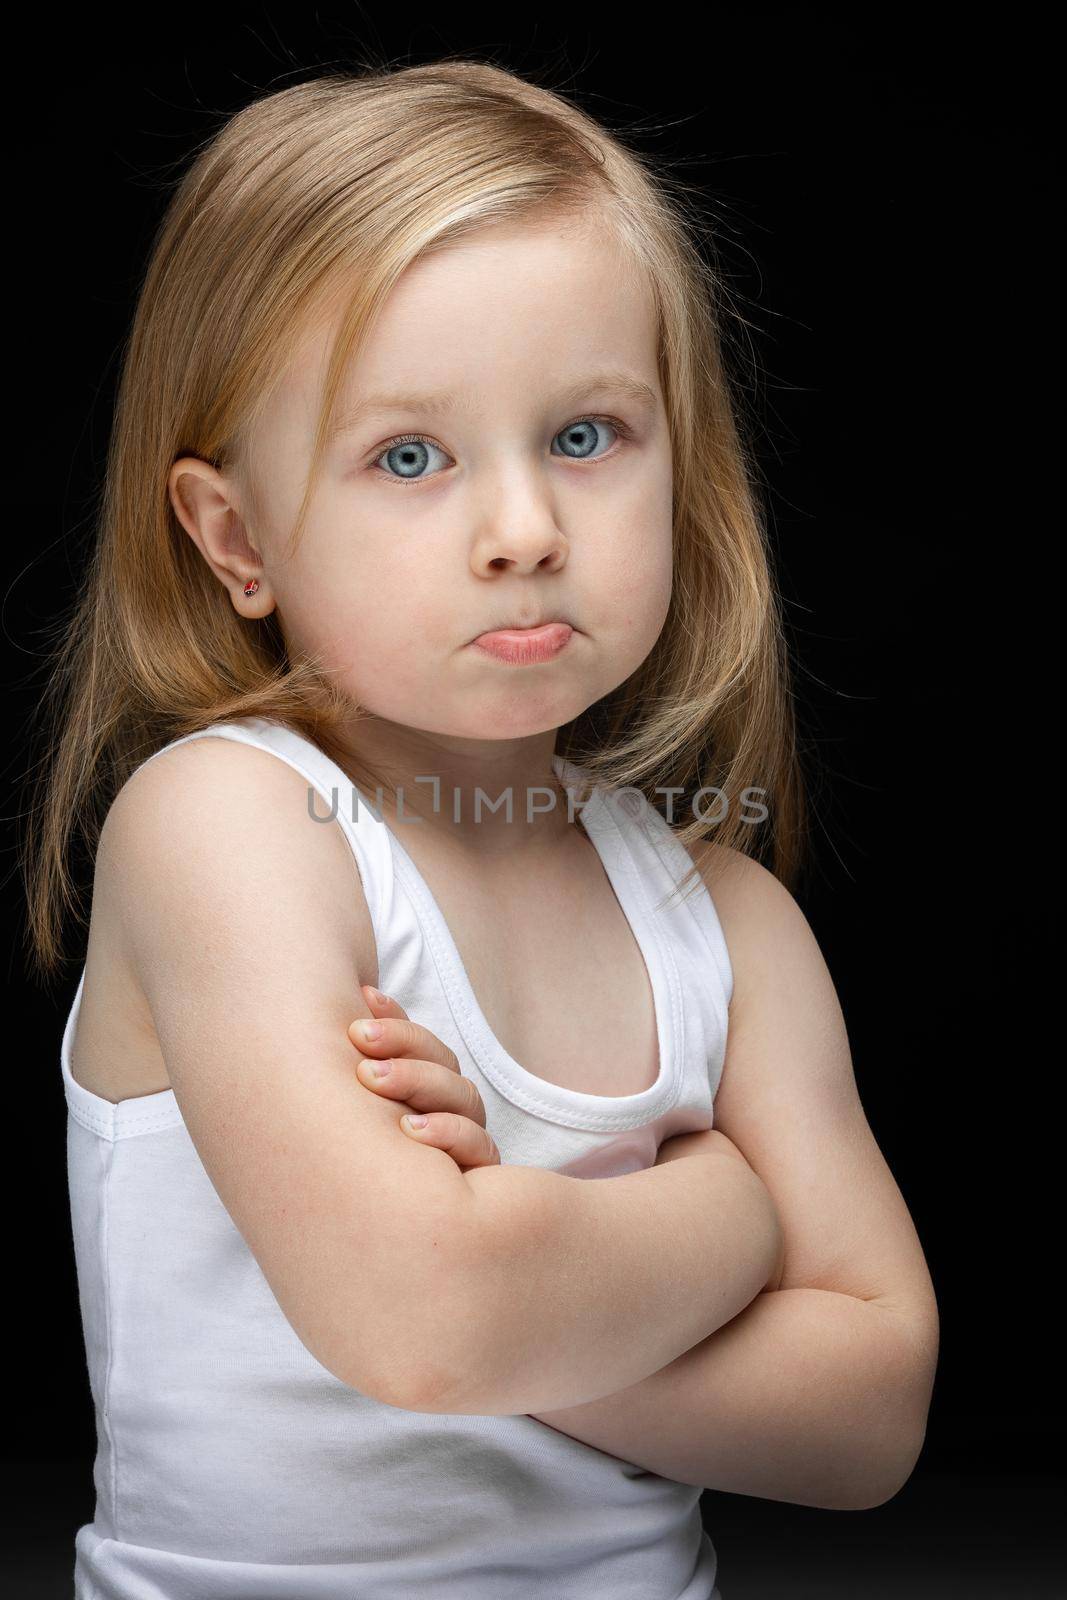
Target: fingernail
x,y
414,1122
381,1069
381,999
371,1030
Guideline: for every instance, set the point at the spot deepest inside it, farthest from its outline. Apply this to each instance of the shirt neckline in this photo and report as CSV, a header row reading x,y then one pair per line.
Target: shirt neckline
x,y
569,1107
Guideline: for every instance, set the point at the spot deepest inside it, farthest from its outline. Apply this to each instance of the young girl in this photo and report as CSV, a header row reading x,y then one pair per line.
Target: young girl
x,y
429,637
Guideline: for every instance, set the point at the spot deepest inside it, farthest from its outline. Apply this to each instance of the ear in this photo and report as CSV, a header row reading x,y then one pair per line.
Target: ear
x,y
205,504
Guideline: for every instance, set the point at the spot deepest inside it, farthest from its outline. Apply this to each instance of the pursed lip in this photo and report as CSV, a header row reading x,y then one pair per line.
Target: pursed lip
x,y
523,627
524,646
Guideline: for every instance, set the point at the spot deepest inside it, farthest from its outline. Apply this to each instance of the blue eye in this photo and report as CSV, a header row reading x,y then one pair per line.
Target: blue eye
x,y
408,455
578,436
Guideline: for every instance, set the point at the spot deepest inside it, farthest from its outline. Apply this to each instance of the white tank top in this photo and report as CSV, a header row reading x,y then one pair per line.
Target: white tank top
x,y
230,1464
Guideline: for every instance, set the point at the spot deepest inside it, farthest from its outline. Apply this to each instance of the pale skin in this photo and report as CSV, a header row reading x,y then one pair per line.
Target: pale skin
x,y
519,511
501,525
818,1392
425,1074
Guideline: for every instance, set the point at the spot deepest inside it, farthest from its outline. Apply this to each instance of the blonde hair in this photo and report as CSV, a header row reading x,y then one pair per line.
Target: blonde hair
x,y
346,180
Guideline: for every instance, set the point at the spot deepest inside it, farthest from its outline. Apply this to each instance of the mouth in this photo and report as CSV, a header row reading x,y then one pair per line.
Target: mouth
x,y
524,646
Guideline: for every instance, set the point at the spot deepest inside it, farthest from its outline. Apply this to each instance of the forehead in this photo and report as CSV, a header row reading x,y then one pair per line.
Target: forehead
x,y
533,304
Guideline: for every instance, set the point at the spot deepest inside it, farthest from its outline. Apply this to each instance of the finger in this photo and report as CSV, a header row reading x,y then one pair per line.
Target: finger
x,y
425,1086
382,1005
466,1142
399,1036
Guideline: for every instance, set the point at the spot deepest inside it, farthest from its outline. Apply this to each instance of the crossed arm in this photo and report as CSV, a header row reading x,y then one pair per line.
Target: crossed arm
x,y
807,1396
818,1392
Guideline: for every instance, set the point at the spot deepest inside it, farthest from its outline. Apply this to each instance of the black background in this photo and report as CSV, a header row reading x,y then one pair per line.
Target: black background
x,y
881,181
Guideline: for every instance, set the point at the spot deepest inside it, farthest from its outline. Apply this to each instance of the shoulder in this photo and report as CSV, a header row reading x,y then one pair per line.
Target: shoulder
x,y
762,923
743,889
215,813
221,795
211,768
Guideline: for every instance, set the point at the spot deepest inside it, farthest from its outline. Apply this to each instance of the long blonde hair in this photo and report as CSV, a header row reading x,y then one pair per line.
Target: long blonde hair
x,y
346,180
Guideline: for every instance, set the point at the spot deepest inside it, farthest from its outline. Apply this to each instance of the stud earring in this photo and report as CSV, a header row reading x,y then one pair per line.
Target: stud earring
x,y
250,588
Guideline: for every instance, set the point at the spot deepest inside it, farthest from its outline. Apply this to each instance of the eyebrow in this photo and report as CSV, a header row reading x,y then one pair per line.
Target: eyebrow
x,y
451,400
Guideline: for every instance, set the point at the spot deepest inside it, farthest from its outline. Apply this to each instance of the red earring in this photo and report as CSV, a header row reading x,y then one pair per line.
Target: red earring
x,y
250,588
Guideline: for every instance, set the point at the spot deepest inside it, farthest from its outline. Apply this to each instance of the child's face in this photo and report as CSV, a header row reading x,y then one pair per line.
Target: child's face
x,y
497,518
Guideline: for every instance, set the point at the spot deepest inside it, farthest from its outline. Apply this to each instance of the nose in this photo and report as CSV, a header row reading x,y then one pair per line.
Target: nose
x,y
539,547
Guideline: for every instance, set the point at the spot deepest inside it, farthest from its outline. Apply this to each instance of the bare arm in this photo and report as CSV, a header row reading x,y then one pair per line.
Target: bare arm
x,y
574,1288
818,1393
522,1287
250,978
807,1396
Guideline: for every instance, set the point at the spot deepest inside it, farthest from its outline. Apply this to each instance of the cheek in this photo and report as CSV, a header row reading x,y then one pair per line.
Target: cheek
x,y
638,605
378,635
637,564
361,586
374,622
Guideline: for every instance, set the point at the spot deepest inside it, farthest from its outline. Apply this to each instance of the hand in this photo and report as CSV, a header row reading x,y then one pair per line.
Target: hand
x,y
425,1077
